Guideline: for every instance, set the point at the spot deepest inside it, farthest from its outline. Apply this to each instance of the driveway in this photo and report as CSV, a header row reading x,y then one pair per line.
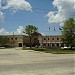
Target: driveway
x,y
27,62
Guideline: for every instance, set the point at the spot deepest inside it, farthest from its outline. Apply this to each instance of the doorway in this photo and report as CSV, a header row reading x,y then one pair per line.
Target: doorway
x,y
20,44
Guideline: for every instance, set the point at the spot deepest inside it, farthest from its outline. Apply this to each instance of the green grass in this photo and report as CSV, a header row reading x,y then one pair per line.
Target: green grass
x,y
54,51
26,49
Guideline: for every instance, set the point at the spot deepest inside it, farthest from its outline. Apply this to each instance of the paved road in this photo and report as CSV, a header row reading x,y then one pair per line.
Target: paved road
x,y
20,62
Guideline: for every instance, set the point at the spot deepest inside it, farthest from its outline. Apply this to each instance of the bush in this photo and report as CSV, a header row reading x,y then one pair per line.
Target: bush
x,y
38,49
7,46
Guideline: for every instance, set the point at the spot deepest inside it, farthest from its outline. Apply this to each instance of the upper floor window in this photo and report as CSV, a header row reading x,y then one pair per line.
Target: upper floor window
x,y
15,38
57,38
52,38
11,38
44,38
48,39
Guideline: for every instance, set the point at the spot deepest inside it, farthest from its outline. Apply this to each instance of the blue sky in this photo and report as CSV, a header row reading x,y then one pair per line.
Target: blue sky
x,y
41,13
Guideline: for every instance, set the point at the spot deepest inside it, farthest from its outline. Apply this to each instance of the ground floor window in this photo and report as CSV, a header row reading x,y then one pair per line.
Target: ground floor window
x,y
53,45
48,44
20,44
57,44
62,45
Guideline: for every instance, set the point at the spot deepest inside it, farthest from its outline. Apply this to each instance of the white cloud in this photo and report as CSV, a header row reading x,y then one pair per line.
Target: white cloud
x,y
14,5
3,31
17,5
1,16
65,10
19,31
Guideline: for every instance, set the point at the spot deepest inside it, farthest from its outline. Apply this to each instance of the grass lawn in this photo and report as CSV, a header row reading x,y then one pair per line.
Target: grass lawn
x,y
54,51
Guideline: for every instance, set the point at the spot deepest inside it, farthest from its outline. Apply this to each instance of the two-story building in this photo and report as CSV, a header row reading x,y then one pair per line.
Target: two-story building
x,y
52,41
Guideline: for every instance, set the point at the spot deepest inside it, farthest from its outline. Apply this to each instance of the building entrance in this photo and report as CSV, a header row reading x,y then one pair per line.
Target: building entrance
x,y
20,44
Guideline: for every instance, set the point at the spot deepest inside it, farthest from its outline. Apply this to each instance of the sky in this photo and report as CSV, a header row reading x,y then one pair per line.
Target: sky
x,y
15,15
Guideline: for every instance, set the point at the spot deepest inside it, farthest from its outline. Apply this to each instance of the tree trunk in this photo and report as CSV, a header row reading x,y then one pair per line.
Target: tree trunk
x,y
30,43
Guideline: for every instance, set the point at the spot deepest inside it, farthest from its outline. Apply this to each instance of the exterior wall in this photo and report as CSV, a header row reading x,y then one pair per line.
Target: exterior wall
x,y
44,41
40,38
14,40
52,41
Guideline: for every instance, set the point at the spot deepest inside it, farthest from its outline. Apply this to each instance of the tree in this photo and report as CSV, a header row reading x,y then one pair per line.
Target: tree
x,y
35,36
30,29
3,40
68,33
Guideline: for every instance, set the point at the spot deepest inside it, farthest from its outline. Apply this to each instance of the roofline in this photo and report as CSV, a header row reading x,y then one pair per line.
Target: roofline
x,y
27,35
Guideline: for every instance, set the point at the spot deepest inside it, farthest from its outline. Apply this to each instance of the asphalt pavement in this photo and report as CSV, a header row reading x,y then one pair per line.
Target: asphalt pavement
x,y
28,62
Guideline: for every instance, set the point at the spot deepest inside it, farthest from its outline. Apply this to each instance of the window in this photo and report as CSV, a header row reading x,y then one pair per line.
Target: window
x,y
53,44
15,38
57,44
62,45
52,38
11,38
48,44
57,38
20,44
44,38
48,39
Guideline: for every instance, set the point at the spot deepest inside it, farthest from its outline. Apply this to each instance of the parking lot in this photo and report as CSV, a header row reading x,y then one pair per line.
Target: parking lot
x,y
28,62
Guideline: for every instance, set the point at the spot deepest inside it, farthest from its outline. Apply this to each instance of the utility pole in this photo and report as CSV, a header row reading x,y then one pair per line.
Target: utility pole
x,y
13,39
60,30
49,37
46,40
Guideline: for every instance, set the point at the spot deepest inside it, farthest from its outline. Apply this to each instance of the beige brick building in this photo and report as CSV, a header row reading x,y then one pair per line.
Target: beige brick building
x,y
53,41
15,40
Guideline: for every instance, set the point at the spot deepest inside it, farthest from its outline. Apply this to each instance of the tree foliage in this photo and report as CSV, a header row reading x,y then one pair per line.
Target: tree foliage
x,y
30,29
68,33
3,40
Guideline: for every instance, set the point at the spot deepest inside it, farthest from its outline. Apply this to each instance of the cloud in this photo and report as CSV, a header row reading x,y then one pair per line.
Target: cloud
x,y
3,31
1,16
16,5
65,10
18,31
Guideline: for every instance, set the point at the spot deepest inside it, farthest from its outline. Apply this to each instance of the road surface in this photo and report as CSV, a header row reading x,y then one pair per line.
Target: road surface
x,y
28,62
